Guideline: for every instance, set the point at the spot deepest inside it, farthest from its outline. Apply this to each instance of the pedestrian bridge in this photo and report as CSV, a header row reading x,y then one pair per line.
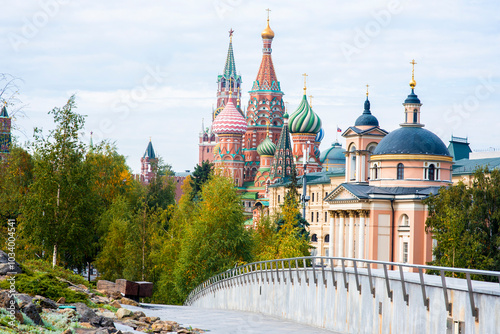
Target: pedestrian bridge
x,y
359,296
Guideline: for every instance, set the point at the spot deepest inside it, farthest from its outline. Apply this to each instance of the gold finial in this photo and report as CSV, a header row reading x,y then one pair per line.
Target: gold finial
x,y
268,11
413,83
367,90
150,138
286,106
238,96
311,100
267,123
230,89
305,79
268,33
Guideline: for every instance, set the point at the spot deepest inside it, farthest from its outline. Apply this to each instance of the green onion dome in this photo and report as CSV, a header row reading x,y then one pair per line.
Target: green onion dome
x,y
304,119
267,147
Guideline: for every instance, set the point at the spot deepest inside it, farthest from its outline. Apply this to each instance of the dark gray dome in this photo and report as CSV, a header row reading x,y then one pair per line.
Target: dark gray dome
x,y
366,118
334,154
411,140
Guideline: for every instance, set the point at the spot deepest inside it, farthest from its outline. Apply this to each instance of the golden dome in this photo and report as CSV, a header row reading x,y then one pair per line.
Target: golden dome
x,y
267,33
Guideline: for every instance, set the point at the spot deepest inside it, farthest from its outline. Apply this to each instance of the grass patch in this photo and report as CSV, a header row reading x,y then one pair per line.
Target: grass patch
x,y
108,307
46,267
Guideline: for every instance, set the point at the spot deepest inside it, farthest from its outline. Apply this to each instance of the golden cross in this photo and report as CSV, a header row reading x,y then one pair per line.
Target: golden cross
x,y
305,79
412,62
268,121
311,100
268,11
286,106
230,91
367,90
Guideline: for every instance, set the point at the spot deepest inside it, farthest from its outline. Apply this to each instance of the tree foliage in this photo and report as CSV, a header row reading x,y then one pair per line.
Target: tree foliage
x,y
465,223
201,174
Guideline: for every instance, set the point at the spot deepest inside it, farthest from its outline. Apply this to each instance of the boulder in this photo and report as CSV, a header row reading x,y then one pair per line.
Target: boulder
x,y
150,320
23,299
123,313
31,312
45,302
101,322
115,303
139,314
7,267
85,312
9,303
61,300
128,301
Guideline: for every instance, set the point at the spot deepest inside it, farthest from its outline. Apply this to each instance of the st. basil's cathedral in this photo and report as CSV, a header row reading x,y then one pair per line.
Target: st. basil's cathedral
x,y
254,147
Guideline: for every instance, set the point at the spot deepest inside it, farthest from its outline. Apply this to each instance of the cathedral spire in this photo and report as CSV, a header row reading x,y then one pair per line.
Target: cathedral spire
x,y
266,78
230,66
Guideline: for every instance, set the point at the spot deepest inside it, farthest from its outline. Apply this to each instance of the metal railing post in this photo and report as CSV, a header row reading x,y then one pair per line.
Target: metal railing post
x,y
389,292
445,292
475,311
424,296
346,284
403,286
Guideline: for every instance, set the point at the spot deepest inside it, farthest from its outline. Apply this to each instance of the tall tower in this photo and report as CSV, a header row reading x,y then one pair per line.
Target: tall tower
x,y
264,107
5,135
228,81
148,162
304,125
283,155
229,126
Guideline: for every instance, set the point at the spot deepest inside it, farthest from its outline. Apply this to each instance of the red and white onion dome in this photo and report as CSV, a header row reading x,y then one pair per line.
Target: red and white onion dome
x,y
229,121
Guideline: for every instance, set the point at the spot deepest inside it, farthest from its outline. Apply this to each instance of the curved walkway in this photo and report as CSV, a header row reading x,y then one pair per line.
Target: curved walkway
x,y
215,321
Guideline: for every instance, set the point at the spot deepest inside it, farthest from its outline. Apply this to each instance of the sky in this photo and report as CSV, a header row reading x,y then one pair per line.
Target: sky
x,y
148,69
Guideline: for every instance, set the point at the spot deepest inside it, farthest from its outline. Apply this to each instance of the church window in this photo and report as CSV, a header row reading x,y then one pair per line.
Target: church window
x,y
401,171
431,172
327,238
326,217
312,197
314,238
405,221
405,252
415,116
317,217
312,217
208,150
375,172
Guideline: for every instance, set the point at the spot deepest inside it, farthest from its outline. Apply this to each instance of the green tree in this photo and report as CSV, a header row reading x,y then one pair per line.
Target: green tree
x,y
201,174
59,211
465,223
216,239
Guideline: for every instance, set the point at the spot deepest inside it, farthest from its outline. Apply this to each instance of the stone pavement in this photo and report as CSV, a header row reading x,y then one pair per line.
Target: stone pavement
x,y
215,321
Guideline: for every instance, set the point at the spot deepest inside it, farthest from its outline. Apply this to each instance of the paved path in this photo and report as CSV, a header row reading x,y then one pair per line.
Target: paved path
x,y
226,321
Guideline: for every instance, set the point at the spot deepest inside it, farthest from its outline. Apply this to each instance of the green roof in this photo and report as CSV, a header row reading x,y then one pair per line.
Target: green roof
x,y
249,195
469,166
459,148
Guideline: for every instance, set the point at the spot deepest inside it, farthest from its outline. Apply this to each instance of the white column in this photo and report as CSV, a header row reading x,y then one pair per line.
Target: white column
x,y
358,167
330,244
341,235
350,252
363,168
361,237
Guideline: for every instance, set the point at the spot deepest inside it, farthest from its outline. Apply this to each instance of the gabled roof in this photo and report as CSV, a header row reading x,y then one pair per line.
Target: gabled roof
x,y
375,131
363,191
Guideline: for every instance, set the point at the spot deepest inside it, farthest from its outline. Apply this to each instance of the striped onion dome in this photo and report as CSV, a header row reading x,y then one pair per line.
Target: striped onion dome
x,y
229,121
320,136
267,147
304,119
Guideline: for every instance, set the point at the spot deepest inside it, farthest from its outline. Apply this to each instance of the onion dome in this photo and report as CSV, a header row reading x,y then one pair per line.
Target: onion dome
x,y
320,136
267,147
267,33
366,119
304,119
411,140
412,98
229,121
334,154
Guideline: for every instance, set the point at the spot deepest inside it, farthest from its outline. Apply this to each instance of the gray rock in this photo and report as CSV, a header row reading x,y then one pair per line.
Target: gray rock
x,y
7,267
101,322
45,302
123,313
23,299
8,302
85,312
31,312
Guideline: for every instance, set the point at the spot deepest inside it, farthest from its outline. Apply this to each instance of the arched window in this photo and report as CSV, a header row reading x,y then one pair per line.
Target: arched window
x,y
415,116
327,238
401,171
314,238
313,198
405,221
312,217
326,217
375,171
432,171
317,217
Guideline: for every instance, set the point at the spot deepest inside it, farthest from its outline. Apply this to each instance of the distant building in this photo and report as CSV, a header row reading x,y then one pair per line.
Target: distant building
x,y
5,131
148,162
